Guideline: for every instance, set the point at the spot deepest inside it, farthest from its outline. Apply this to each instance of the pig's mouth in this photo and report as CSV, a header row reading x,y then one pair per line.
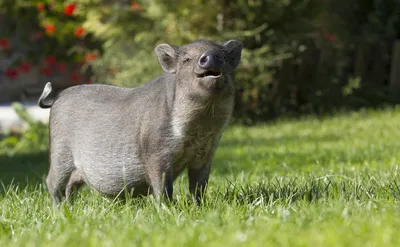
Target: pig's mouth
x,y
211,80
209,73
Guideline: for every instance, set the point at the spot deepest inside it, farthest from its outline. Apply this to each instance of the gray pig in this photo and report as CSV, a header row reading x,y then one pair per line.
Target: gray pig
x,y
138,140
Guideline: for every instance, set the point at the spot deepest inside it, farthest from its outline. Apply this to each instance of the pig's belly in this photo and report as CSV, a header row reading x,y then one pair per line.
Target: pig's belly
x,y
114,177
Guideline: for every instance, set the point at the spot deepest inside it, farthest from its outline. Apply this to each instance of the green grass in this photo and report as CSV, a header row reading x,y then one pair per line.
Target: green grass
x,y
314,182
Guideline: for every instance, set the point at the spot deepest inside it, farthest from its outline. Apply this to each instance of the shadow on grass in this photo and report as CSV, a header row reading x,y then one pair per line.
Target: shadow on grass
x,y
23,168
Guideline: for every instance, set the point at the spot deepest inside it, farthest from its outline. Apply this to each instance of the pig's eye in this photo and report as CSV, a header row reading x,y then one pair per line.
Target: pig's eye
x,y
186,59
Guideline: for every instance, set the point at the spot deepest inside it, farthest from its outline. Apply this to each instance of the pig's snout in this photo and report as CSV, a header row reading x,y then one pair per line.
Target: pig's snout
x,y
211,61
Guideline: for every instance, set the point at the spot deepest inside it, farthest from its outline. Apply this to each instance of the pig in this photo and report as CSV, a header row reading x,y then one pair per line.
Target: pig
x,y
139,140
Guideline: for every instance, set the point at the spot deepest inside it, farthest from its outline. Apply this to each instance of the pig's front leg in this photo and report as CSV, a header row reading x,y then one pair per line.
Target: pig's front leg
x,y
161,179
198,180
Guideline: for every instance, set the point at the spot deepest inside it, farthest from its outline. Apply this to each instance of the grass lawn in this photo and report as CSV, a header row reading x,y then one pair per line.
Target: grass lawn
x,y
315,182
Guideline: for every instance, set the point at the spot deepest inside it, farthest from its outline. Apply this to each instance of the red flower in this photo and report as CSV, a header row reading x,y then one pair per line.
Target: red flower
x,y
330,37
40,6
134,5
61,67
79,32
50,60
25,67
36,35
12,73
46,71
4,43
90,57
80,63
75,77
49,28
69,9
111,71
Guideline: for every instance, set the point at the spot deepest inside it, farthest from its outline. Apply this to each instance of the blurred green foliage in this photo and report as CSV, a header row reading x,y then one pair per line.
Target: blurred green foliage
x,y
33,136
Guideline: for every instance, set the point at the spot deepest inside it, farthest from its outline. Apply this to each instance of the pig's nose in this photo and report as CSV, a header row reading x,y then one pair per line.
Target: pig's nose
x,y
211,60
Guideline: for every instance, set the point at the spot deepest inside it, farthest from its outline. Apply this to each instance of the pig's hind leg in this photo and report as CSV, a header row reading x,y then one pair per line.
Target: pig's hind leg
x,y
75,182
60,171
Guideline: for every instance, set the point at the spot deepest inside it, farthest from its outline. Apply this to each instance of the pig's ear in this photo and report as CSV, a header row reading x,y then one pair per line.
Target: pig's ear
x,y
167,55
232,52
